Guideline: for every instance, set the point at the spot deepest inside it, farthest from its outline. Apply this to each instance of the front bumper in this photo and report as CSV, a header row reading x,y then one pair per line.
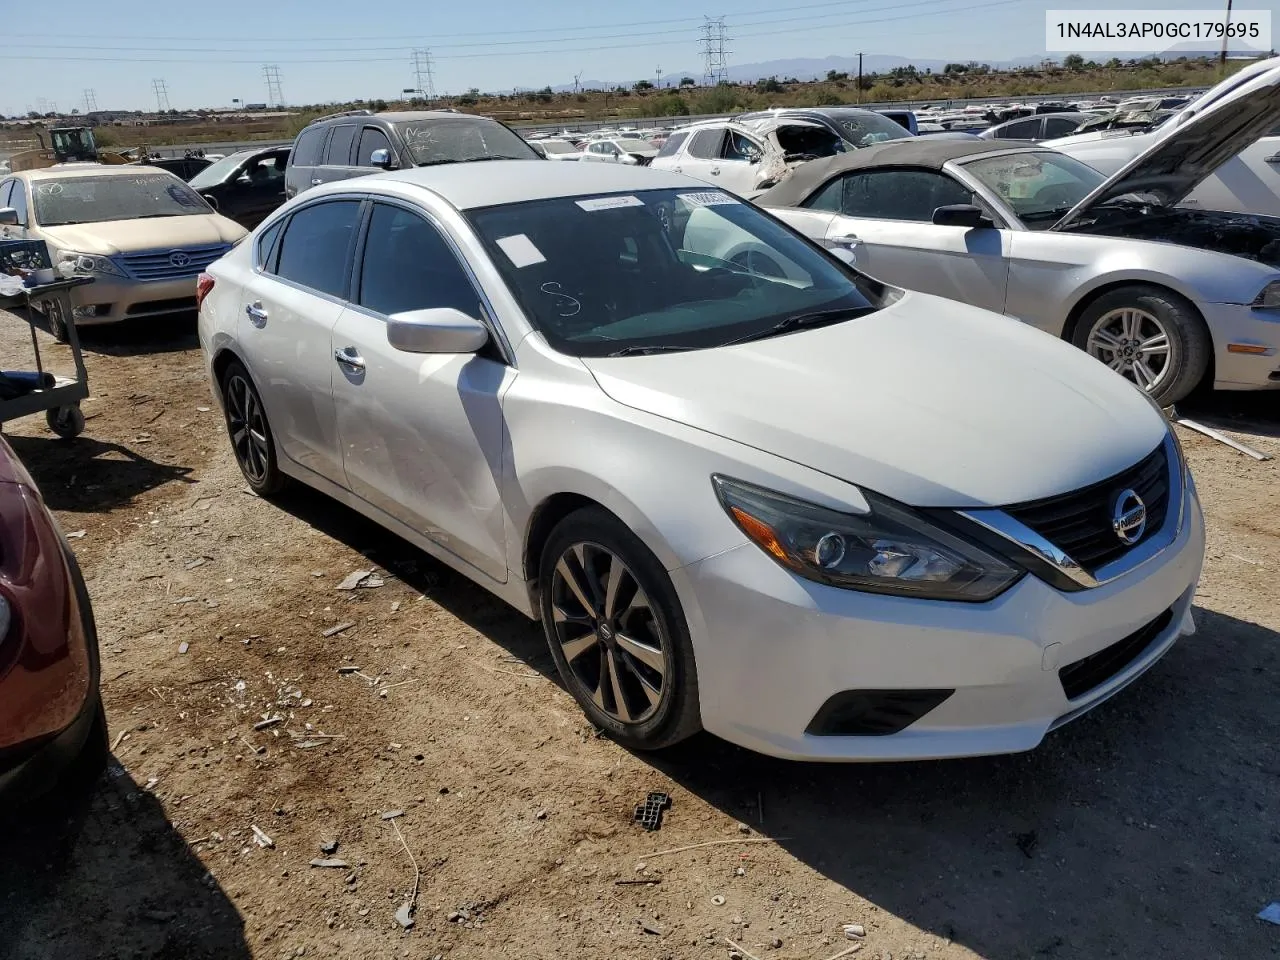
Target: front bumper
x,y
113,299
772,649
1243,326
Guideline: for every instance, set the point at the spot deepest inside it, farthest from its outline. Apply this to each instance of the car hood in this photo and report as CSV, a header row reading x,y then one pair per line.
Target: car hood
x,y
645,152
1183,154
928,401
128,236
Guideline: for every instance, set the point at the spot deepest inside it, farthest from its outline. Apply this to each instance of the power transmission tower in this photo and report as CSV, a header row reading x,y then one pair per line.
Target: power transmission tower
x,y
658,76
714,52
275,93
577,82
90,102
424,74
162,95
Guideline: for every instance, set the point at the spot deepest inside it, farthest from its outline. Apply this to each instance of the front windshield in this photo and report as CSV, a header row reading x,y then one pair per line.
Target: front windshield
x,y
218,171
99,199
661,270
1039,185
633,146
443,140
558,146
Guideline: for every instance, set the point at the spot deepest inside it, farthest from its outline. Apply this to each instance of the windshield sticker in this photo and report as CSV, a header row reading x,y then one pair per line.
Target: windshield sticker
x,y
710,199
609,203
521,251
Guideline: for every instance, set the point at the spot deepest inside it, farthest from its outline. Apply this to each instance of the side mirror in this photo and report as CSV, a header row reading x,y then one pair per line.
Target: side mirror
x,y
9,217
438,330
210,199
381,158
961,215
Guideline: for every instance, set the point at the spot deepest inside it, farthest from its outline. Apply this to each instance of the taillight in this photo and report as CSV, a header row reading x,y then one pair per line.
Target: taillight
x,y
204,284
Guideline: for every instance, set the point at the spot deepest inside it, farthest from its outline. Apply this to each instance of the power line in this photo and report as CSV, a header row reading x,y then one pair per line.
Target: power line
x,y
275,93
162,95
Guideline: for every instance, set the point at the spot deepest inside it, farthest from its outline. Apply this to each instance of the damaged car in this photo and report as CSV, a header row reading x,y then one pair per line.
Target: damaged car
x,y
1166,296
748,156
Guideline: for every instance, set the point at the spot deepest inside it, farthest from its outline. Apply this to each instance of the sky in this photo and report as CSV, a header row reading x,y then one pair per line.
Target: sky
x,y
336,50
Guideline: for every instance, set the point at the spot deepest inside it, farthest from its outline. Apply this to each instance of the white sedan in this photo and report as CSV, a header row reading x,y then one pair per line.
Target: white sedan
x,y
818,516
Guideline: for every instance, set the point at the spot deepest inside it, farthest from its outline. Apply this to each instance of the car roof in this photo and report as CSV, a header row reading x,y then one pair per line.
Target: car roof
x,y
399,116
470,185
930,152
64,170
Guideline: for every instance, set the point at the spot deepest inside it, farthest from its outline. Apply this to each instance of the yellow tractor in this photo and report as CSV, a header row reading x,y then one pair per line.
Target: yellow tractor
x,y
64,145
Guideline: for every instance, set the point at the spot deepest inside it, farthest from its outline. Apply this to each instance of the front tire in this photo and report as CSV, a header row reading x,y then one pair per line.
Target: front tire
x,y
251,439
617,632
1149,335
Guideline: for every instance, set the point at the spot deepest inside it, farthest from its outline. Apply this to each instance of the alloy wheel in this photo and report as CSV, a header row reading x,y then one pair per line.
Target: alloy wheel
x,y
608,633
1132,342
248,429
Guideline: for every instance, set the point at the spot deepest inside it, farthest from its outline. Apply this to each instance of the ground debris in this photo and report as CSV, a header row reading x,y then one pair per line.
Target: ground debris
x,y
331,864
337,628
329,847
365,579
392,814
260,838
268,722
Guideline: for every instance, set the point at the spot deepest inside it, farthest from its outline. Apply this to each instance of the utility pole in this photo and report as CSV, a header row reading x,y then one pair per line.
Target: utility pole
x,y
1222,60
162,95
577,81
275,92
859,78
658,76
90,102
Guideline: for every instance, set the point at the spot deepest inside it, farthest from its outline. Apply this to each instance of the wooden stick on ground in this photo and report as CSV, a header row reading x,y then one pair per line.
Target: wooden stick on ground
x,y
714,843
741,949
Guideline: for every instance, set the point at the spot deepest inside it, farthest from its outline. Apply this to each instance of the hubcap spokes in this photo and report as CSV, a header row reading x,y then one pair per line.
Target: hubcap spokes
x,y
248,429
1134,343
608,633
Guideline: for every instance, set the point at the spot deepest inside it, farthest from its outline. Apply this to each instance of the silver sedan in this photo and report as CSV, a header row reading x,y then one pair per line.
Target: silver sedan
x,y
1161,294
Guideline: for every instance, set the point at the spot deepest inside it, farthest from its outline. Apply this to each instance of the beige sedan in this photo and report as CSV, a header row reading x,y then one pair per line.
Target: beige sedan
x,y
141,233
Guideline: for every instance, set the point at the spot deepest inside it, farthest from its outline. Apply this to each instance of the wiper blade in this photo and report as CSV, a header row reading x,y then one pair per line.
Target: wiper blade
x,y
641,350
819,318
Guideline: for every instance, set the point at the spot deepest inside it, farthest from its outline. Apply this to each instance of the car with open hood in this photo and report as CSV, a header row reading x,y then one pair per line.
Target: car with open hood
x,y
140,232
817,515
1247,182
1163,294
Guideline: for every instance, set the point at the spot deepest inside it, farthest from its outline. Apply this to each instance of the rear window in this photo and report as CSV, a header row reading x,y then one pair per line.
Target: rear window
x,y
339,152
306,149
315,247
672,146
705,144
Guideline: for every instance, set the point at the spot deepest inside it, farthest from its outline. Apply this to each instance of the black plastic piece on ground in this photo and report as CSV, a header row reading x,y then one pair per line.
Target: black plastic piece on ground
x,y
873,713
649,813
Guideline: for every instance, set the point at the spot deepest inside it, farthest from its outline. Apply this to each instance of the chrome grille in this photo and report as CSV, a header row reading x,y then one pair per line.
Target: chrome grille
x,y
1080,523
161,265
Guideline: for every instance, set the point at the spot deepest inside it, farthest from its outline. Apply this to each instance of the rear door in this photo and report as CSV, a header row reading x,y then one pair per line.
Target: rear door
x,y
308,151
292,302
422,435
339,152
887,221
702,154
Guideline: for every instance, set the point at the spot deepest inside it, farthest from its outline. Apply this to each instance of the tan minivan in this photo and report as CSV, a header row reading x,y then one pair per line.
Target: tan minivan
x,y
141,233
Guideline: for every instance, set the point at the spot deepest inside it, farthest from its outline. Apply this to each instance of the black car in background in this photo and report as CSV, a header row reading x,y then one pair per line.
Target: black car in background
x,y
244,186
182,167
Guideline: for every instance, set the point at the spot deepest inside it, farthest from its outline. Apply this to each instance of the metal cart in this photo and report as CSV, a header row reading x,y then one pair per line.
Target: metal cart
x,y
60,402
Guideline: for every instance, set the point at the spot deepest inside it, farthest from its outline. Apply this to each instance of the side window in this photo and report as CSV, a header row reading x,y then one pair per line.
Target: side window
x,y
371,139
1059,126
1021,129
306,149
672,146
705,144
262,171
264,255
829,198
738,147
315,248
408,265
5,189
339,152
901,194
18,200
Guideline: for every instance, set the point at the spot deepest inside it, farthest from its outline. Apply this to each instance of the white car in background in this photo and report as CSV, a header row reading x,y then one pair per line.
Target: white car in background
x,y
552,148
820,517
1247,183
626,150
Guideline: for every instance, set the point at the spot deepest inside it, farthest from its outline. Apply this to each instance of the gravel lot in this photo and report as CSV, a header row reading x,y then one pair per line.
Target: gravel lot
x,y
1146,829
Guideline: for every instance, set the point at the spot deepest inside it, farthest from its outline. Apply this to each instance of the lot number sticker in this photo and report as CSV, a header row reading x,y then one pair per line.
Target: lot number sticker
x,y
609,203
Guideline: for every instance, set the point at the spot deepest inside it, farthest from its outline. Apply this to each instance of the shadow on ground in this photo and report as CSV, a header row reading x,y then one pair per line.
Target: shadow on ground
x,y
108,877
87,475
1256,412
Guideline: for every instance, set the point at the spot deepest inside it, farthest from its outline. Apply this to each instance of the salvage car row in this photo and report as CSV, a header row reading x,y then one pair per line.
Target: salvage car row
x,y
747,470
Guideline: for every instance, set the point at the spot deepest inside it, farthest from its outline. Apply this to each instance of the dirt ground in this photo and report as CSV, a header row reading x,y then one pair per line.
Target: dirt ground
x,y
1146,829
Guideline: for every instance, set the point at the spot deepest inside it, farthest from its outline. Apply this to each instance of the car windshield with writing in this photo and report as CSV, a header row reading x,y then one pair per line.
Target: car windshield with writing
x,y
1039,186
662,270
99,199
461,141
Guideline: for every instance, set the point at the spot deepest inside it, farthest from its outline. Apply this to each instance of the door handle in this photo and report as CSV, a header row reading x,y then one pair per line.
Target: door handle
x,y
256,313
1274,158
715,171
348,357
846,239
316,182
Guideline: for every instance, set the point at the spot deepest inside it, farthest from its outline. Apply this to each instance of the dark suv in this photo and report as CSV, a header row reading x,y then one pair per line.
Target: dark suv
x,y
358,143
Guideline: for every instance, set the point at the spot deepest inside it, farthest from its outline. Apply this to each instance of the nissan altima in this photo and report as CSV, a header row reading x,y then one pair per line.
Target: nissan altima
x,y
817,515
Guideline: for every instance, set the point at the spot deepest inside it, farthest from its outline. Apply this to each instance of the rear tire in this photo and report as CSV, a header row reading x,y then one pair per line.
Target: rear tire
x,y
1151,336
252,441
617,632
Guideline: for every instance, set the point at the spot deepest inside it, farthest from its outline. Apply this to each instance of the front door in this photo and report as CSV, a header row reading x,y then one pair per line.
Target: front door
x,y
286,327
422,434
739,166
13,193
887,221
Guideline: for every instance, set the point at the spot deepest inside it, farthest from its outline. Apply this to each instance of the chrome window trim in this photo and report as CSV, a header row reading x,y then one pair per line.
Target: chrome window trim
x,y
1002,524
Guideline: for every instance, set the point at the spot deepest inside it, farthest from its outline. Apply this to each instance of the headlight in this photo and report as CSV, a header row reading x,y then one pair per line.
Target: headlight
x,y
1269,298
891,550
88,264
